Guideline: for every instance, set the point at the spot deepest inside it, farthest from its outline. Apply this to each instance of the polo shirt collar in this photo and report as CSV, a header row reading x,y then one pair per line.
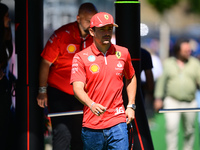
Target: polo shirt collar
x,y
111,50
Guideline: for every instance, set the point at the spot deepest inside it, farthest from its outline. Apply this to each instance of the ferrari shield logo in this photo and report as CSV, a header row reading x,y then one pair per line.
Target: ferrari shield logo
x,y
118,54
106,17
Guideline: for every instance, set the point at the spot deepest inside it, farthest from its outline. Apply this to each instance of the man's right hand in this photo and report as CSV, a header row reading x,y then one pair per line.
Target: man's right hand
x,y
42,99
98,109
158,104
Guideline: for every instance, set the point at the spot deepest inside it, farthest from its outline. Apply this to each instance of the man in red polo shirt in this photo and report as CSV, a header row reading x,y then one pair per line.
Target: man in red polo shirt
x,y
55,71
97,78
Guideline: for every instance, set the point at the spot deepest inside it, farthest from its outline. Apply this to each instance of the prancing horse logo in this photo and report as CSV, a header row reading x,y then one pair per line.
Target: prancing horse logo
x,y
106,17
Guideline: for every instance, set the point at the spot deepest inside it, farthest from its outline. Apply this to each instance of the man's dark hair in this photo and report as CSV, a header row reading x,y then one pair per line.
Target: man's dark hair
x,y
177,46
3,11
87,7
3,56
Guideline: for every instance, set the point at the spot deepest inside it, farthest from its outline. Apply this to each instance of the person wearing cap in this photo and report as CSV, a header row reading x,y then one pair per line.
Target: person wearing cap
x,y
97,79
54,78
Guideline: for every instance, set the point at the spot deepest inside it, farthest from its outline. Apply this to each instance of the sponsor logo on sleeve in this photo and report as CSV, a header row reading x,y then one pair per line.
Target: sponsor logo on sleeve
x,y
75,69
67,31
75,59
75,64
52,38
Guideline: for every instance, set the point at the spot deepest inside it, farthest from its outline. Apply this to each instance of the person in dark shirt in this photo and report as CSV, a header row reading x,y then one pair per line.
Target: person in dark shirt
x,y
6,50
146,66
147,84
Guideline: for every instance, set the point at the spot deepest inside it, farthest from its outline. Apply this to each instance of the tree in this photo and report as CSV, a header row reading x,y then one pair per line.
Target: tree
x,y
161,6
194,6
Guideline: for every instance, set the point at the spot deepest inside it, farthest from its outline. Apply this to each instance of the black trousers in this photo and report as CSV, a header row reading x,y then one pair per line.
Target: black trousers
x,y
66,129
6,135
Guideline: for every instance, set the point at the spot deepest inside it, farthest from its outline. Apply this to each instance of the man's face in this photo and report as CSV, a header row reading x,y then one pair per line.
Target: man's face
x,y
103,35
185,50
6,20
84,21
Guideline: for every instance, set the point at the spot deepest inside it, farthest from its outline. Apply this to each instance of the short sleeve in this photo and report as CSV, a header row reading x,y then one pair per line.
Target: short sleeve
x,y
78,72
51,50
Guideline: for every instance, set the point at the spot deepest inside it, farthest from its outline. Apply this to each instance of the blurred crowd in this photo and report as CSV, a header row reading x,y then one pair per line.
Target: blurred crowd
x,y
176,81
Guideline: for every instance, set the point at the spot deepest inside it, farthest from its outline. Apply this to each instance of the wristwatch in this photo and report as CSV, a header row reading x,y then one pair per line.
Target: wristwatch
x,y
133,106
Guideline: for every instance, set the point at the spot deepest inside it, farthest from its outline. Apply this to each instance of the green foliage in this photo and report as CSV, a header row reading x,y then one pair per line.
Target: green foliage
x,y
194,6
162,5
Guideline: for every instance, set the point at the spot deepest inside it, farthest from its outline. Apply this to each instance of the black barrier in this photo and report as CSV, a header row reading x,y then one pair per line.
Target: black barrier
x,y
29,43
128,35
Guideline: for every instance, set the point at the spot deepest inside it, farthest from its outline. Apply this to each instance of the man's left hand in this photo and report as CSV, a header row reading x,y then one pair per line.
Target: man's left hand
x,y
130,115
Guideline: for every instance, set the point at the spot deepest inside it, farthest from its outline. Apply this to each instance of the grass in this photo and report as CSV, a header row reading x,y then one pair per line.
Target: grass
x,y
157,128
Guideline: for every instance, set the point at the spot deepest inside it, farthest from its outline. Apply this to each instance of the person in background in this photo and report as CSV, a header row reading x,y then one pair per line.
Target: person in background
x,y
55,90
6,34
6,50
97,79
147,81
146,67
177,86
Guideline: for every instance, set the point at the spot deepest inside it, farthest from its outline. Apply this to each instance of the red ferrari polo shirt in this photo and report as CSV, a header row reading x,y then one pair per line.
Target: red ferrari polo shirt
x,y
103,78
60,50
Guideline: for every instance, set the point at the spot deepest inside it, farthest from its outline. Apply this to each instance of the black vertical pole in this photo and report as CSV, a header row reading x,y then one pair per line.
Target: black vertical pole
x,y
128,35
29,43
